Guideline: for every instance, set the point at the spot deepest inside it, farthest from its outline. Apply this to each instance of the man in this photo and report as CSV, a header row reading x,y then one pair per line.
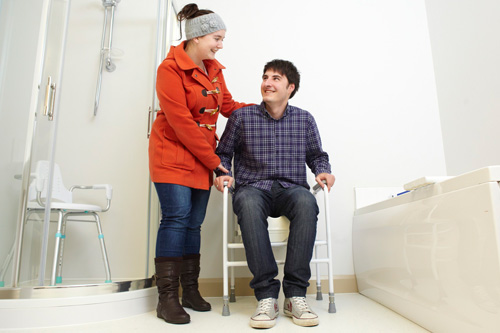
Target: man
x,y
271,144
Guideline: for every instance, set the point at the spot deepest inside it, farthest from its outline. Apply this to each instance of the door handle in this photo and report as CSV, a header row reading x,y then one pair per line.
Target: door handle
x,y
150,116
50,97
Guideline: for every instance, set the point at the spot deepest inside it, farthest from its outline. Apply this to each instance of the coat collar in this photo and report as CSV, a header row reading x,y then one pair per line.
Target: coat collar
x,y
185,63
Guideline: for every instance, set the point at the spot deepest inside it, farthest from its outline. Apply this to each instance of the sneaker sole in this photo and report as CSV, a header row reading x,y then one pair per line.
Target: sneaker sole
x,y
262,323
302,322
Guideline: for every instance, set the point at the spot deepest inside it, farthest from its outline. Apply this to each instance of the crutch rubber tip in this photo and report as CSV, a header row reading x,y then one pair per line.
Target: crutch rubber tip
x,y
225,307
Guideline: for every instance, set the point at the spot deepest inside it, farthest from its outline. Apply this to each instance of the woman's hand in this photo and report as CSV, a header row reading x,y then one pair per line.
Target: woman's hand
x,y
221,168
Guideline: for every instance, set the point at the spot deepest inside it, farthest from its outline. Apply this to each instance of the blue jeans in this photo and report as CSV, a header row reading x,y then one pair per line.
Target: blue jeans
x,y
183,211
253,206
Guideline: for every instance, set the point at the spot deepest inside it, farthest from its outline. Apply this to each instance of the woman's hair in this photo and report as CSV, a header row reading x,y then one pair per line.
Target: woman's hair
x,y
190,11
287,69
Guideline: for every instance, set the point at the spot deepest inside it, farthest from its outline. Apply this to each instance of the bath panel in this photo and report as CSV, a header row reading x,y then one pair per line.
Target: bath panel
x,y
432,254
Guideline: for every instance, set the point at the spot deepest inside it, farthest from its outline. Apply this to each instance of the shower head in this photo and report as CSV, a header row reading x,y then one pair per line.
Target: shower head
x,y
110,3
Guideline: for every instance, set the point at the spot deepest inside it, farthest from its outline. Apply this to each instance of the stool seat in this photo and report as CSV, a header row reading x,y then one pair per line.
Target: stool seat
x,y
278,228
71,207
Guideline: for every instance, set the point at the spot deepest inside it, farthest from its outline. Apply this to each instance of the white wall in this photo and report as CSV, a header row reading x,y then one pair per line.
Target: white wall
x,y
466,50
367,76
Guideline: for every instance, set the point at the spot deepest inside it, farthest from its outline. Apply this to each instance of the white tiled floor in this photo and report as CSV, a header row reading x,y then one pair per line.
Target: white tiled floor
x,y
355,313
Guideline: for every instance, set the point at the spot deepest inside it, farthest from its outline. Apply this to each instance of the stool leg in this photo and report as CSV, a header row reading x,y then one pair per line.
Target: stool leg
x,y
61,250
319,295
56,249
232,295
103,248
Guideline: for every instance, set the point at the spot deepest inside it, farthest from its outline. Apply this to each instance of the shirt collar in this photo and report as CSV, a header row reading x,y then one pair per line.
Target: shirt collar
x,y
265,113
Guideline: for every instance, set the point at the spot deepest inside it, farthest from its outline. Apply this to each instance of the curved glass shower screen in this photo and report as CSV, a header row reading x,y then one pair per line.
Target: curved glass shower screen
x,y
32,45
31,66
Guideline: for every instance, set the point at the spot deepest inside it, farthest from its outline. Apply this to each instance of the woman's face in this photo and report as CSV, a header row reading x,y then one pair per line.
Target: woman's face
x,y
208,45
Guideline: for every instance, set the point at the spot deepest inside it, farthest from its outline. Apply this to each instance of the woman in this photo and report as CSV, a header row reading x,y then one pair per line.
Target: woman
x,y
192,92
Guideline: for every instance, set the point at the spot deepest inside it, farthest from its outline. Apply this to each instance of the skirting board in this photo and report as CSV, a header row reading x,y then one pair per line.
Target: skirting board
x,y
213,287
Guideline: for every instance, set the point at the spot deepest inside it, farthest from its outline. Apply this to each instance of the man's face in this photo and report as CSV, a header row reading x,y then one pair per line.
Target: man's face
x,y
275,88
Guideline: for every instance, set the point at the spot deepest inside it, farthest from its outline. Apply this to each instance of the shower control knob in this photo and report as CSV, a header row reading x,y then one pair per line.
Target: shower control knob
x,y
110,67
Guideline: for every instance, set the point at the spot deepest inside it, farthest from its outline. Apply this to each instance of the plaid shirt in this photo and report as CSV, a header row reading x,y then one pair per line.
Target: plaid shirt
x,y
267,150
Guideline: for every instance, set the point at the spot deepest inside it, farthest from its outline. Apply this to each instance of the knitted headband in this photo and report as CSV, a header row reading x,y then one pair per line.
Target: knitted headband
x,y
203,25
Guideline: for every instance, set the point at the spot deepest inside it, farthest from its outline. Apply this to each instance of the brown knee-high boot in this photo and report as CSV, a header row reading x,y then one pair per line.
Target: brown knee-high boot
x,y
190,272
167,280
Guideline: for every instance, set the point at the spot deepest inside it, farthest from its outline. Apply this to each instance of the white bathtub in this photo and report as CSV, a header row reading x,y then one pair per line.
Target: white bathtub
x,y
432,254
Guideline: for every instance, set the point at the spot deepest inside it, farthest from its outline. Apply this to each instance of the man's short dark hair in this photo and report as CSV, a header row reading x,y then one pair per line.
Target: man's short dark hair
x,y
286,68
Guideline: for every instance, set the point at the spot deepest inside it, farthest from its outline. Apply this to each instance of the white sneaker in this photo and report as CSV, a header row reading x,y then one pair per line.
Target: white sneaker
x,y
302,315
266,313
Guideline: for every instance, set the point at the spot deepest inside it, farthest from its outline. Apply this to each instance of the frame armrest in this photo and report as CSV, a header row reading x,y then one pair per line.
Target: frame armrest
x,y
107,187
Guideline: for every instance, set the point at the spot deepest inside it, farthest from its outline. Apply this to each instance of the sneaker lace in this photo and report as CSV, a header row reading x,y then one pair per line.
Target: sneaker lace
x,y
301,303
265,305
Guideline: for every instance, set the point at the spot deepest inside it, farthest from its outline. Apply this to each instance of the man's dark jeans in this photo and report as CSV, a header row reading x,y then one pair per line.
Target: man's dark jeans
x,y
298,204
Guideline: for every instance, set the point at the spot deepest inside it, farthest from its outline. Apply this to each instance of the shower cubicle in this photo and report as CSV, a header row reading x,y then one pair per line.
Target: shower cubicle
x,y
39,96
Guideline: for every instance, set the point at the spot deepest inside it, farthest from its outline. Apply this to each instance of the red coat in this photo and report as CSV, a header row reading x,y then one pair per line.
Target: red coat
x,y
182,141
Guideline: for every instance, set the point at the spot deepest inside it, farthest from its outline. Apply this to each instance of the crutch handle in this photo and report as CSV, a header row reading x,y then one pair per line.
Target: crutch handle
x,y
317,187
